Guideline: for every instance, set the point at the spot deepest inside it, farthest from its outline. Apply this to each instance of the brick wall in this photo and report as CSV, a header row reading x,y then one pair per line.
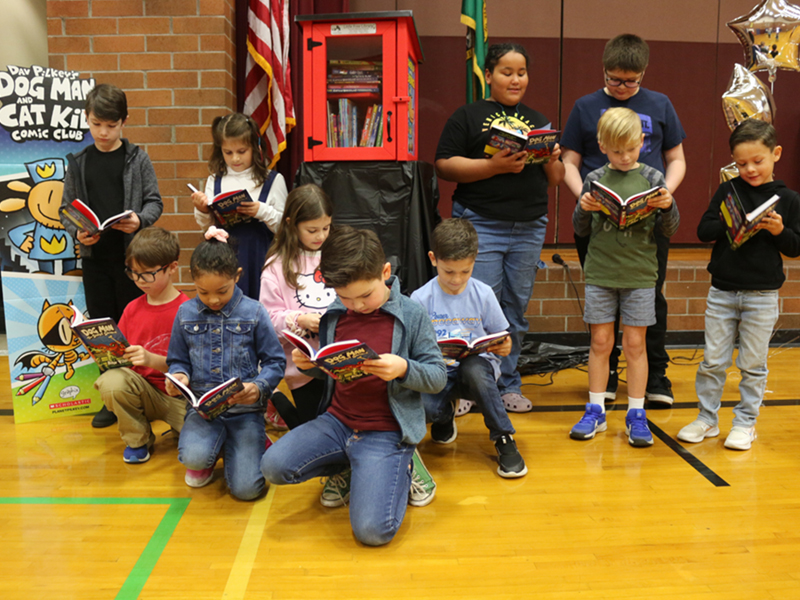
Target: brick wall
x,y
175,59
554,309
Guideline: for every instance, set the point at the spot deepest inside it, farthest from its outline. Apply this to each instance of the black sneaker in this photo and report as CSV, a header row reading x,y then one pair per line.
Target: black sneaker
x,y
444,433
611,386
105,418
659,392
509,459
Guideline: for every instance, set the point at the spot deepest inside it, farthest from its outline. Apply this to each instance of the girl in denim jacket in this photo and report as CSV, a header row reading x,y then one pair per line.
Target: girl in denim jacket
x,y
218,335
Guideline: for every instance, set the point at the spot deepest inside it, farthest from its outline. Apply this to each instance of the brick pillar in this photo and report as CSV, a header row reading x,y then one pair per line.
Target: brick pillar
x,y
175,59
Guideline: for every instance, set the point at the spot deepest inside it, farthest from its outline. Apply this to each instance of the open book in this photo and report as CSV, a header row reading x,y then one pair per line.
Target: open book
x,y
538,143
340,360
87,220
102,339
624,212
740,225
215,401
458,348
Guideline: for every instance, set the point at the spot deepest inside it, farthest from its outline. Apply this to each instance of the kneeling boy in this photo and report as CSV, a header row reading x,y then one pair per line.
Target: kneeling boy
x,y
136,395
463,307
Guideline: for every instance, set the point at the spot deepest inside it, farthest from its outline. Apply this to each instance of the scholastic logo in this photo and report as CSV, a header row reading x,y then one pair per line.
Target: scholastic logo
x,y
83,402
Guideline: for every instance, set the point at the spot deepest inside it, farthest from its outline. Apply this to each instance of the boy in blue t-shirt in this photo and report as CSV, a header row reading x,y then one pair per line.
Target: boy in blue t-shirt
x,y
625,59
621,270
463,307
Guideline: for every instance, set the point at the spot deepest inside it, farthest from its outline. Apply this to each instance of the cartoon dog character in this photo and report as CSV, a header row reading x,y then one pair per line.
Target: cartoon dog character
x,y
44,239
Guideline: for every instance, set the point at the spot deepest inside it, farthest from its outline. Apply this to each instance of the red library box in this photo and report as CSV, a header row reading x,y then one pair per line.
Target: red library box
x,y
360,74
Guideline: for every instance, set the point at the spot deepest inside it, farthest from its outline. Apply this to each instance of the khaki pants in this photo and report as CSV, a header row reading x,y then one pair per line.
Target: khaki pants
x,y
136,402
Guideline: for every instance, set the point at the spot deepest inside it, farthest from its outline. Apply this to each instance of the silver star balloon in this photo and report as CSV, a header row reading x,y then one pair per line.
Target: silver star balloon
x,y
747,97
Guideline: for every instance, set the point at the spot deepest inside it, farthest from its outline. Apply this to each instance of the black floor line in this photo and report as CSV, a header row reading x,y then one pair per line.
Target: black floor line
x,y
690,458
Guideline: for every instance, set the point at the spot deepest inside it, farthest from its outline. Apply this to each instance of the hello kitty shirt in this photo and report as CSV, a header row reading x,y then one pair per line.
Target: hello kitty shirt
x,y
285,304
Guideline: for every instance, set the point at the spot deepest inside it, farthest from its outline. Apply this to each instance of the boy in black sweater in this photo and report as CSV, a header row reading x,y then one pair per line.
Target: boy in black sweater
x,y
743,297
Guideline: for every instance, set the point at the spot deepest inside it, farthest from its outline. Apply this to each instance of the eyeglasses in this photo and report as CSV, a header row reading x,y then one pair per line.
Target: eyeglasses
x,y
146,277
628,83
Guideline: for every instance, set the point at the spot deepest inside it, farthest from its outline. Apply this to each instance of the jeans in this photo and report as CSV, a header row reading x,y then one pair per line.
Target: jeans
x,y
380,463
472,380
752,314
508,258
240,437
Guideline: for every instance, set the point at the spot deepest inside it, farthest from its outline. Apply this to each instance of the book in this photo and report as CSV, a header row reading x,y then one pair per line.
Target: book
x,y
103,339
624,212
538,143
214,402
224,207
87,220
458,348
740,226
340,360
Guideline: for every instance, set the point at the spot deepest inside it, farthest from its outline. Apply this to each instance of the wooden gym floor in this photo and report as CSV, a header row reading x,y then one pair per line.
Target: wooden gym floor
x,y
596,519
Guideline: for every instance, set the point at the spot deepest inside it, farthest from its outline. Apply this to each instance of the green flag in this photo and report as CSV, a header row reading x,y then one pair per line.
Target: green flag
x,y
473,15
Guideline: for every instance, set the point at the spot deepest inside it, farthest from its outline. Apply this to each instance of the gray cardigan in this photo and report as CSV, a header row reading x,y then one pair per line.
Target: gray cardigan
x,y
138,179
414,340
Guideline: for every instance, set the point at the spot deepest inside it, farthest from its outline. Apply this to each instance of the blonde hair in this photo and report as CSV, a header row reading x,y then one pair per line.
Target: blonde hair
x,y
619,128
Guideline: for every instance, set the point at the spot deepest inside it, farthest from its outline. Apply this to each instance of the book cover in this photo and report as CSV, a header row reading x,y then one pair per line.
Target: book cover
x,y
87,220
740,225
624,212
103,339
214,402
340,360
458,348
540,144
501,138
224,207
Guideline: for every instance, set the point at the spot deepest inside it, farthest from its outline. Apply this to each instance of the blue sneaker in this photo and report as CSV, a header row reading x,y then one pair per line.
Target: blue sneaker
x,y
636,427
136,455
593,421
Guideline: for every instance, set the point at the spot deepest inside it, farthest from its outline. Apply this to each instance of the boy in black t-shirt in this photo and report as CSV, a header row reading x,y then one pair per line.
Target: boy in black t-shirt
x,y
743,298
111,176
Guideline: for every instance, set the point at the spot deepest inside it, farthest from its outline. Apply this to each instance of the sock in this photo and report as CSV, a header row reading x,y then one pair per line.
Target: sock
x,y
635,403
598,398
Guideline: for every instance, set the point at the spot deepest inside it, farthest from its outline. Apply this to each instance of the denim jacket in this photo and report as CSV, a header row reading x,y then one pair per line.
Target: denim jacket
x,y
413,339
238,341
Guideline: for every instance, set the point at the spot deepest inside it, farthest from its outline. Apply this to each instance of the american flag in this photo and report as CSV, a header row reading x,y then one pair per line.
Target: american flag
x,y
268,90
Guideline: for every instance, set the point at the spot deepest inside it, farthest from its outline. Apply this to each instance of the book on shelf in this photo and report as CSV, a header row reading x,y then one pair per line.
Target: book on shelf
x,y
340,360
87,220
103,340
624,212
740,225
458,348
538,143
214,402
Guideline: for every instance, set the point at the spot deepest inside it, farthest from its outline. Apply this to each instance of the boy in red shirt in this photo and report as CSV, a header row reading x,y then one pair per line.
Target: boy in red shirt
x,y
136,395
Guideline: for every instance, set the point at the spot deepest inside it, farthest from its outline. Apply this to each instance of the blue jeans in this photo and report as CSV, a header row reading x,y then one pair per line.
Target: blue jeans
x,y
380,463
752,314
508,257
472,380
241,438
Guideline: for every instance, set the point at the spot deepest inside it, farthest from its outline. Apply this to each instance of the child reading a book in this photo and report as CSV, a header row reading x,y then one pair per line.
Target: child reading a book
x,y
621,269
237,163
743,298
110,176
503,197
374,423
625,59
293,291
218,335
461,306
137,395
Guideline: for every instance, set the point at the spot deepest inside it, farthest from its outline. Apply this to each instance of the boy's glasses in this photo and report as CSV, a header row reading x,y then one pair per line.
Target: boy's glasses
x,y
628,83
146,277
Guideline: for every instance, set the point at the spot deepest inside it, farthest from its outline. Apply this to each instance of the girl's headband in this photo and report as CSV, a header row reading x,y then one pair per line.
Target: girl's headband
x,y
218,234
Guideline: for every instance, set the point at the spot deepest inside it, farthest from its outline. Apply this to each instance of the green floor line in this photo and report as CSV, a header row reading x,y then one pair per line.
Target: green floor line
x,y
149,557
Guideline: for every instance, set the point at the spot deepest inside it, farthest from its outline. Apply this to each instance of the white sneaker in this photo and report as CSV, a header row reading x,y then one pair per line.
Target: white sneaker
x,y
740,438
697,431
